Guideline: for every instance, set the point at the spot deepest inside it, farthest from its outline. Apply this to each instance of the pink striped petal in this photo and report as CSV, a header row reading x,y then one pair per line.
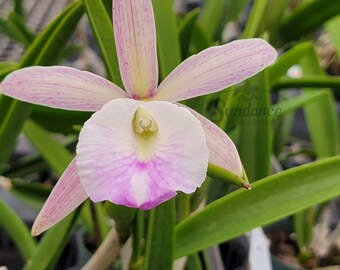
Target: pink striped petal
x,y
60,87
135,35
113,167
222,150
67,195
216,68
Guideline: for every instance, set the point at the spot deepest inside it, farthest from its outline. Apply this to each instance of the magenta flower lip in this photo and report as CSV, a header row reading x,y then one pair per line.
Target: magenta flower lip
x,y
139,148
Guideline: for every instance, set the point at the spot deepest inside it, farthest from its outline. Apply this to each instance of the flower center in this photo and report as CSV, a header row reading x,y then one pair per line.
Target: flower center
x,y
143,122
146,129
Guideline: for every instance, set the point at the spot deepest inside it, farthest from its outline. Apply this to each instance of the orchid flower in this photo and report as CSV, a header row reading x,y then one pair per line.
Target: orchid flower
x,y
139,147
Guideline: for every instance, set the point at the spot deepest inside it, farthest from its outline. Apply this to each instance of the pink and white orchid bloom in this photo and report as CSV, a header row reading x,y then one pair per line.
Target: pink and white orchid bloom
x,y
138,148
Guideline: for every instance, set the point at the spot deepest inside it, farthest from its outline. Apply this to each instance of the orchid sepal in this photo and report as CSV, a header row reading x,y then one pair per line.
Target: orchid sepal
x,y
66,196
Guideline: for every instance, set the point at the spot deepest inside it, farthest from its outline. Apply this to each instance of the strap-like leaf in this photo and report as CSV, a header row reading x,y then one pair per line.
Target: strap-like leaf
x,y
270,199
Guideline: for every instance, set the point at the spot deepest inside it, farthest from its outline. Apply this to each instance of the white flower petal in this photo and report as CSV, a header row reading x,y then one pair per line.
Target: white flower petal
x,y
222,150
111,166
216,68
135,36
60,87
67,195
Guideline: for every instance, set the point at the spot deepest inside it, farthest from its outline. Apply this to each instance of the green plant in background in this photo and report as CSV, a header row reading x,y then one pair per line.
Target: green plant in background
x,y
170,230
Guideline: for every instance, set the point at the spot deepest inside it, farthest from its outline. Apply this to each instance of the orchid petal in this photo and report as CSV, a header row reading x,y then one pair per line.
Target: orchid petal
x,y
135,36
222,150
112,165
216,68
60,87
67,195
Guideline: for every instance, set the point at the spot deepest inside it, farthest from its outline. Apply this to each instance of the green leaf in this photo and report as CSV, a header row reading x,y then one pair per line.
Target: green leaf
x,y
199,41
316,81
138,241
234,8
308,16
252,28
186,28
17,231
321,117
332,28
270,199
123,217
45,50
103,31
287,60
211,17
19,7
54,241
160,238
6,68
10,127
45,145
52,245
273,15
57,120
304,222
255,136
194,262
31,193
18,29
289,105
169,52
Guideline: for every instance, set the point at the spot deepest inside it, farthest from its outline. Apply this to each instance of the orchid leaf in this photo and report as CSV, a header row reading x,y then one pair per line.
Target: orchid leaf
x,y
274,11
18,29
211,17
45,145
169,52
55,239
186,28
289,105
255,136
332,28
308,16
6,68
322,124
33,194
52,245
123,217
57,120
45,49
315,81
160,238
253,25
17,231
194,262
138,242
19,7
287,60
304,222
103,31
321,117
199,41
234,8
243,210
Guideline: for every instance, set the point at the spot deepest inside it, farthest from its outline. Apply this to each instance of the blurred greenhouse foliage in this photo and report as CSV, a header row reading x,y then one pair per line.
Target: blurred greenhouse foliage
x,y
284,122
